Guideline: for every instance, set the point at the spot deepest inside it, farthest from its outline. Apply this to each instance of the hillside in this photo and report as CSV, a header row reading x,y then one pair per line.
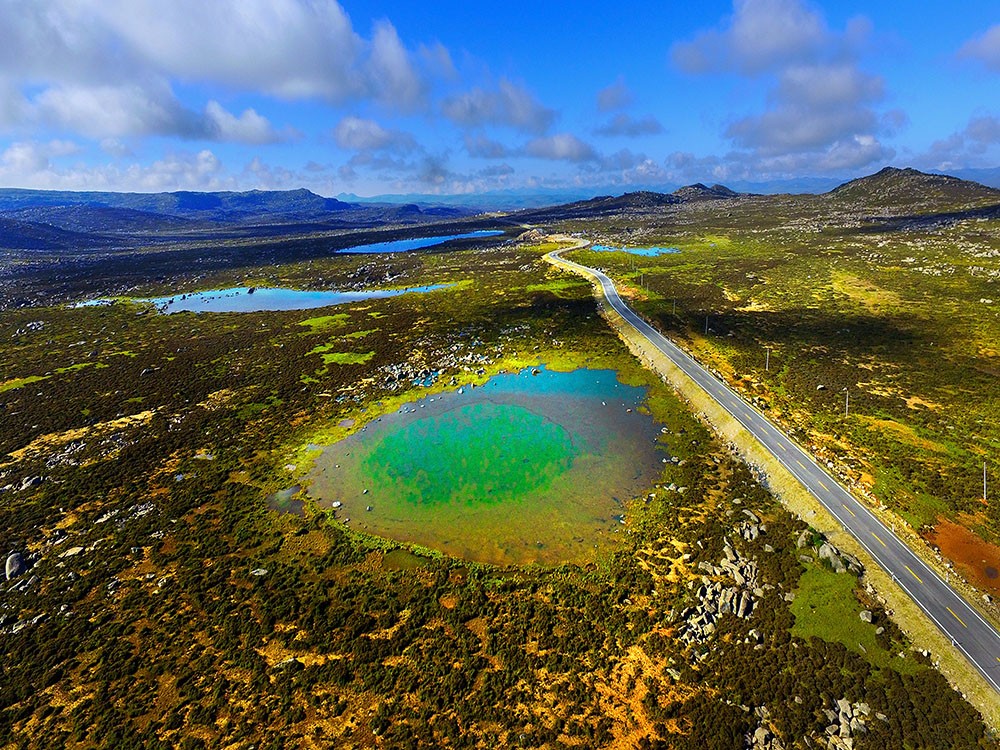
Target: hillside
x,y
913,192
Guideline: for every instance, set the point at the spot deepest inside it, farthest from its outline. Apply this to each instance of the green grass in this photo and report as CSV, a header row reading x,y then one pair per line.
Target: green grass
x,y
825,607
9,385
325,322
346,358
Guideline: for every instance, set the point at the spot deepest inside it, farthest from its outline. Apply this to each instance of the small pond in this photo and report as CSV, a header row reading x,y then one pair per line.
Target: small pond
x,y
417,243
250,299
649,252
526,468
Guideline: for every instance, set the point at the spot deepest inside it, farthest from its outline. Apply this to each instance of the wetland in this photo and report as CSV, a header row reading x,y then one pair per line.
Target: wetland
x,y
532,466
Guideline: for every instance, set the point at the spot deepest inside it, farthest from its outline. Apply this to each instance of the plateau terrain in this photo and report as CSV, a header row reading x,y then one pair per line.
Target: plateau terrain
x,y
278,470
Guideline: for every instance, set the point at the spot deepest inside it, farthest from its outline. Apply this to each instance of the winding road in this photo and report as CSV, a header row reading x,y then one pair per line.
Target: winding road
x,y
960,622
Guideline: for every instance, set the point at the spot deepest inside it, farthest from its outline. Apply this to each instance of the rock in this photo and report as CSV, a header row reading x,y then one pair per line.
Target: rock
x,y
291,664
15,565
807,559
803,541
72,552
768,548
866,615
844,706
28,482
258,572
829,553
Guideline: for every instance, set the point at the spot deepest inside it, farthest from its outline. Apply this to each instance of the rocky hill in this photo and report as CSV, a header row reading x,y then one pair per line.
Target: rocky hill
x,y
892,189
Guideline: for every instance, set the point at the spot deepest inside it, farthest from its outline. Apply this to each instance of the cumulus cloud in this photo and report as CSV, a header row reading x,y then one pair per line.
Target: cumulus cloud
x,y
812,107
104,112
977,144
984,48
762,35
357,134
395,80
560,147
508,105
43,165
615,96
482,147
821,111
109,68
625,125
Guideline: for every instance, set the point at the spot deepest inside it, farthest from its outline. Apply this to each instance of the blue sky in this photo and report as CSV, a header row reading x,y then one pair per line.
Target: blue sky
x,y
463,97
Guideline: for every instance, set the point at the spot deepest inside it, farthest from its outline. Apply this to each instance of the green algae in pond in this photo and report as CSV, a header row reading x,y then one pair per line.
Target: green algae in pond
x,y
526,468
418,462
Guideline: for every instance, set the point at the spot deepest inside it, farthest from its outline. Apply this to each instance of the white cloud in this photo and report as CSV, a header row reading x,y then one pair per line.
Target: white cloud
x,y
394,78
976,145
760,35
813,107
820,112
985,48
357,134
625,125
560,147
615,96
248,127
482,147
508,105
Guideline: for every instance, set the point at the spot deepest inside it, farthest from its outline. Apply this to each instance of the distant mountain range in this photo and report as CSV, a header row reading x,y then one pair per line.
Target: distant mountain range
x,y
47,220
54,220
512,200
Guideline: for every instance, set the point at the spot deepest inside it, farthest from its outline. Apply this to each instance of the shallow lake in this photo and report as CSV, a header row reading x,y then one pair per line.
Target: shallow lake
x,y
241,299
417,243
646,251
526,468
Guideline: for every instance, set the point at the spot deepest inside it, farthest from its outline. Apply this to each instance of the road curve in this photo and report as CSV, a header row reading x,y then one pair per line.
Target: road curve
x,y
960,622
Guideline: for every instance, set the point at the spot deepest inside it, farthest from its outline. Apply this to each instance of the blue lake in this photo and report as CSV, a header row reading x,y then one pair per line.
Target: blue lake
x,y
240,299
417,243
649,252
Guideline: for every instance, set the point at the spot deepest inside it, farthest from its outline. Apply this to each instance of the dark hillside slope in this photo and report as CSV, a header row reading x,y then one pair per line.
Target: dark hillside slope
x,y
912,191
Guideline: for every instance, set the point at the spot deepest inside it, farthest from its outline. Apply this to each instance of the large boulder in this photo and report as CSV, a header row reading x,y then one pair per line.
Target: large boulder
x,y
15,565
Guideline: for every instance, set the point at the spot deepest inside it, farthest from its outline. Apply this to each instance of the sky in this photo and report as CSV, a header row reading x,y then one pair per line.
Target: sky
x,y
458,97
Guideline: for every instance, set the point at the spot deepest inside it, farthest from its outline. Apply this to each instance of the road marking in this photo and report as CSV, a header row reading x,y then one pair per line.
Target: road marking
x,y
915,575
800,463
824,486
850,511
879,540
782,446
956,617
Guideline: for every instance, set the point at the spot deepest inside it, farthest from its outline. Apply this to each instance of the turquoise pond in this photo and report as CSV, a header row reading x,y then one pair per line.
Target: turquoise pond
x,y
241,299
649,252
417,243
531,467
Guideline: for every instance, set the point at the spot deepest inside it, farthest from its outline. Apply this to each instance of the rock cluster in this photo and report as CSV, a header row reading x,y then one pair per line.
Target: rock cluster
x,y
841,562
761,737
847,721
716,599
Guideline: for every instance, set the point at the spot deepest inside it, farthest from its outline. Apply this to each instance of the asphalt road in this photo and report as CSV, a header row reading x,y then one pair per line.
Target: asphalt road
x,y
975,637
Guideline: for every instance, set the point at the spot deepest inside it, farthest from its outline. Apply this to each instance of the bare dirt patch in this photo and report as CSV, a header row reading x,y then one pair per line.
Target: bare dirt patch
x,y
977,560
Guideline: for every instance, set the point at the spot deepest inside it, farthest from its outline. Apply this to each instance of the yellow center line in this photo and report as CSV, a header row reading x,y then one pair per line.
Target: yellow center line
x,y
956,617
782,446
879,540
915,575
850,511
824,486
800,463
